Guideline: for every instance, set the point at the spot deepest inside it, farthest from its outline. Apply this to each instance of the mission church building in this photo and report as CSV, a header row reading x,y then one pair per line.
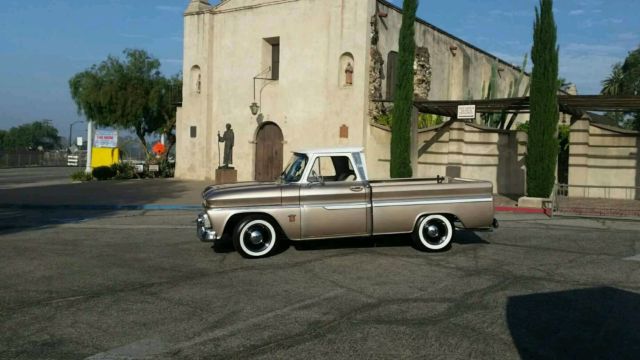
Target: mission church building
x,y
311,69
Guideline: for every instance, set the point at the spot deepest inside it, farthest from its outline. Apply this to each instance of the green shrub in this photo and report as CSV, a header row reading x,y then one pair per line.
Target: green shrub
x,y
167,169
400,151
424,120
542,145
123,171
563,137
81,175
429,120
523,127
384,120
103,173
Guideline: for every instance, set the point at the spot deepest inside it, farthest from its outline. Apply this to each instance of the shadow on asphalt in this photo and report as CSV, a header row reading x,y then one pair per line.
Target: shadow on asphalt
x,y
461,237
594,323
23,209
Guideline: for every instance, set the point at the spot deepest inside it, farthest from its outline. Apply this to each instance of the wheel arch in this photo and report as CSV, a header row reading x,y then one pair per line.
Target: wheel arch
x,y
235,218
450,216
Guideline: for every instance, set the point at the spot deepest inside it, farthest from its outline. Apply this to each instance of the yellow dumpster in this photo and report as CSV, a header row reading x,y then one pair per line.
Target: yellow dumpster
x,y
104,157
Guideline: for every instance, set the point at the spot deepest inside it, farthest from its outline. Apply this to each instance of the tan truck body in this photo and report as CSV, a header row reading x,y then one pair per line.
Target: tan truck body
x,y
306,206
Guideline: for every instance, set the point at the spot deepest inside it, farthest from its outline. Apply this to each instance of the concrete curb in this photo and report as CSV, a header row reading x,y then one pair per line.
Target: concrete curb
x,y
523,210
612,218
154,207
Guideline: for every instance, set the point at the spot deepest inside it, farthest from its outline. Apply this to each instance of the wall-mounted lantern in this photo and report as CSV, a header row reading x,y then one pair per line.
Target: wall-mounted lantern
x,y
453,49
255,107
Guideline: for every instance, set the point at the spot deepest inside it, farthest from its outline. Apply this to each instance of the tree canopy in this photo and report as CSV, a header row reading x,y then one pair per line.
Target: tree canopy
x,y
3,133
542,145
129,93
625,80
33,136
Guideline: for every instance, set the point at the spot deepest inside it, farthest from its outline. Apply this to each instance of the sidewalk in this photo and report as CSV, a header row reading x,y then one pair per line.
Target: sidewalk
x,y
599,207
581,206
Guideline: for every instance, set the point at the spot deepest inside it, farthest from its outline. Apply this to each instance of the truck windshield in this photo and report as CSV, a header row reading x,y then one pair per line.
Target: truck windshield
x,y
293,171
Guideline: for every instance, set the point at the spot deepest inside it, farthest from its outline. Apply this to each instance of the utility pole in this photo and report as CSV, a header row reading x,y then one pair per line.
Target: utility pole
x,y
71,129
89,146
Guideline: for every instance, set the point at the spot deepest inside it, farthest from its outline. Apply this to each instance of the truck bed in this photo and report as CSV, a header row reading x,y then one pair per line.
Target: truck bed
x,y
398,203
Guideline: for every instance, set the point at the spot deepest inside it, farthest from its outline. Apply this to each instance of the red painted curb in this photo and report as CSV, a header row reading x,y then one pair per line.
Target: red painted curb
x,y
520,210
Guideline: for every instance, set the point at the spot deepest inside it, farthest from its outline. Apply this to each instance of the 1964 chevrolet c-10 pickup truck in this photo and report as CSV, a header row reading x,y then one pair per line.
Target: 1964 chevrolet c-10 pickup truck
x,y
326,193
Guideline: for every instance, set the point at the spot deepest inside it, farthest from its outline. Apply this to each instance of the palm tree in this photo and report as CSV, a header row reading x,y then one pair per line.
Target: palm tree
x,y
613,85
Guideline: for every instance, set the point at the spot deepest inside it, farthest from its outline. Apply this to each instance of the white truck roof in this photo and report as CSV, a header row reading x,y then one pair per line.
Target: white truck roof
x,y
332,150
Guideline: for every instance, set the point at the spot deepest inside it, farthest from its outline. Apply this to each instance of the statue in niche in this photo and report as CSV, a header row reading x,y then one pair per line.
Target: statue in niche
x,y
227,138
199,84
348,71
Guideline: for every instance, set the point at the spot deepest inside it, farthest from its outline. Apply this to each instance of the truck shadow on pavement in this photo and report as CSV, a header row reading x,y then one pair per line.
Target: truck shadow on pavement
x,y
593,323
461,237
29,208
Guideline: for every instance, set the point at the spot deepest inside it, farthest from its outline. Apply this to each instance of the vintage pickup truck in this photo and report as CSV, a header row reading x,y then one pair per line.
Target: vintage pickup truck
x,y
325,193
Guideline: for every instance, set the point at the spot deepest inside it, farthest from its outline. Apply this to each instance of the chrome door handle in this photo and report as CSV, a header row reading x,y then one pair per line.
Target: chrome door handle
x,y
356,188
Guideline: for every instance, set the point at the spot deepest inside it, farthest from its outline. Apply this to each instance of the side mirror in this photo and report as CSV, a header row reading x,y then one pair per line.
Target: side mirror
x,y
314,179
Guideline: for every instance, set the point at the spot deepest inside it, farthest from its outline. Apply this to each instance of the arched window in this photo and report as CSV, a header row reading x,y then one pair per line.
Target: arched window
x,y
196,80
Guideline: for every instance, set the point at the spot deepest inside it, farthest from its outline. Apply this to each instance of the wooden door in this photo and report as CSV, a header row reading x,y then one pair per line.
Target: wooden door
x,y
269,159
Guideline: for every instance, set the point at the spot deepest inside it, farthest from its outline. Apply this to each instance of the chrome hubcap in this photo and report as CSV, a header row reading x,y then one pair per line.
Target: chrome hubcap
x,y
433,231
256,237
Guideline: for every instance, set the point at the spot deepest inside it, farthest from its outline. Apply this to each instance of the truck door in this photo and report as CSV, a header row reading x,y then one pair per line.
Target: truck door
x,y
335,201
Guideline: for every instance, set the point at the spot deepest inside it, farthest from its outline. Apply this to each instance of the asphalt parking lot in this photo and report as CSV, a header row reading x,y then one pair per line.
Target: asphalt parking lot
x,y
15,178
122,285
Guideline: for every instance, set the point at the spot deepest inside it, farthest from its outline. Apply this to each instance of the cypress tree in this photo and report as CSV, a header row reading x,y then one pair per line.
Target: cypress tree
x,y
403,102
542,148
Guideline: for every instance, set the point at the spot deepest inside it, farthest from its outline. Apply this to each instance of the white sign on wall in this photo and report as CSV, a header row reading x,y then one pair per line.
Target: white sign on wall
x,y
106,139
466,112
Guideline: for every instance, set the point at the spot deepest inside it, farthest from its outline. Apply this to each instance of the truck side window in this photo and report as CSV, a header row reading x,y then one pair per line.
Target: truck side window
x,y
333,168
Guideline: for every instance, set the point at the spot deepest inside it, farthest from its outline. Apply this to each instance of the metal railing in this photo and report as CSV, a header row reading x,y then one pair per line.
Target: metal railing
x,y
595,200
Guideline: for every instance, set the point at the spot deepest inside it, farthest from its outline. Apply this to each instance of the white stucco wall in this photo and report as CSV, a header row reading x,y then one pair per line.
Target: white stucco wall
x,y
307,102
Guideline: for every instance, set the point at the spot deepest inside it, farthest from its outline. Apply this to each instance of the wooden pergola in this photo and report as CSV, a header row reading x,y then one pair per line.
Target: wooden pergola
x,y
575,105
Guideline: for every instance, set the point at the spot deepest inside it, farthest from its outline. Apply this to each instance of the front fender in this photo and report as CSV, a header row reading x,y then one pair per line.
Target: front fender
x,y
286,217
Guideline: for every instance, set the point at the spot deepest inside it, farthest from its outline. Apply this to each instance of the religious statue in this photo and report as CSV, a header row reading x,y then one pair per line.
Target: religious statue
x,y
349,74
227,138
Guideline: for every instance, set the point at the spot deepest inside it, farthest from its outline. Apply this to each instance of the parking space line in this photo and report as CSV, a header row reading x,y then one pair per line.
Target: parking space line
x,y
633,258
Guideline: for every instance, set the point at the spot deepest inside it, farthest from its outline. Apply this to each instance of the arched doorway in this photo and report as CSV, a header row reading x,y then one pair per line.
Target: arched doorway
x,y
269,152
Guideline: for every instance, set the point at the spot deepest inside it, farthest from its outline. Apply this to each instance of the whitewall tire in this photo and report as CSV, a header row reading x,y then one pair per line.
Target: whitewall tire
x,y
433,233
255,237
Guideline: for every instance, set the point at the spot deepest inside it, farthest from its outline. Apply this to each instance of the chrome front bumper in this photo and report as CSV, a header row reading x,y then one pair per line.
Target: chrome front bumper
x,y
204,230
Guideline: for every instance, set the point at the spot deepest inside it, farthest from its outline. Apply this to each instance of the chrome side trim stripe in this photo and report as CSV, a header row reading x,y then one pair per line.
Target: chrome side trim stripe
x,y
254,208
430,202
346,206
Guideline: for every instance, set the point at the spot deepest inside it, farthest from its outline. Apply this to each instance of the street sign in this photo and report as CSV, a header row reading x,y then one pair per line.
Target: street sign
x,y
79,141
466,112
106,139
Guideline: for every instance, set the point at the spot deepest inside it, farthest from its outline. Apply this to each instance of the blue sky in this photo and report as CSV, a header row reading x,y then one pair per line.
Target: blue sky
x,y
44,42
